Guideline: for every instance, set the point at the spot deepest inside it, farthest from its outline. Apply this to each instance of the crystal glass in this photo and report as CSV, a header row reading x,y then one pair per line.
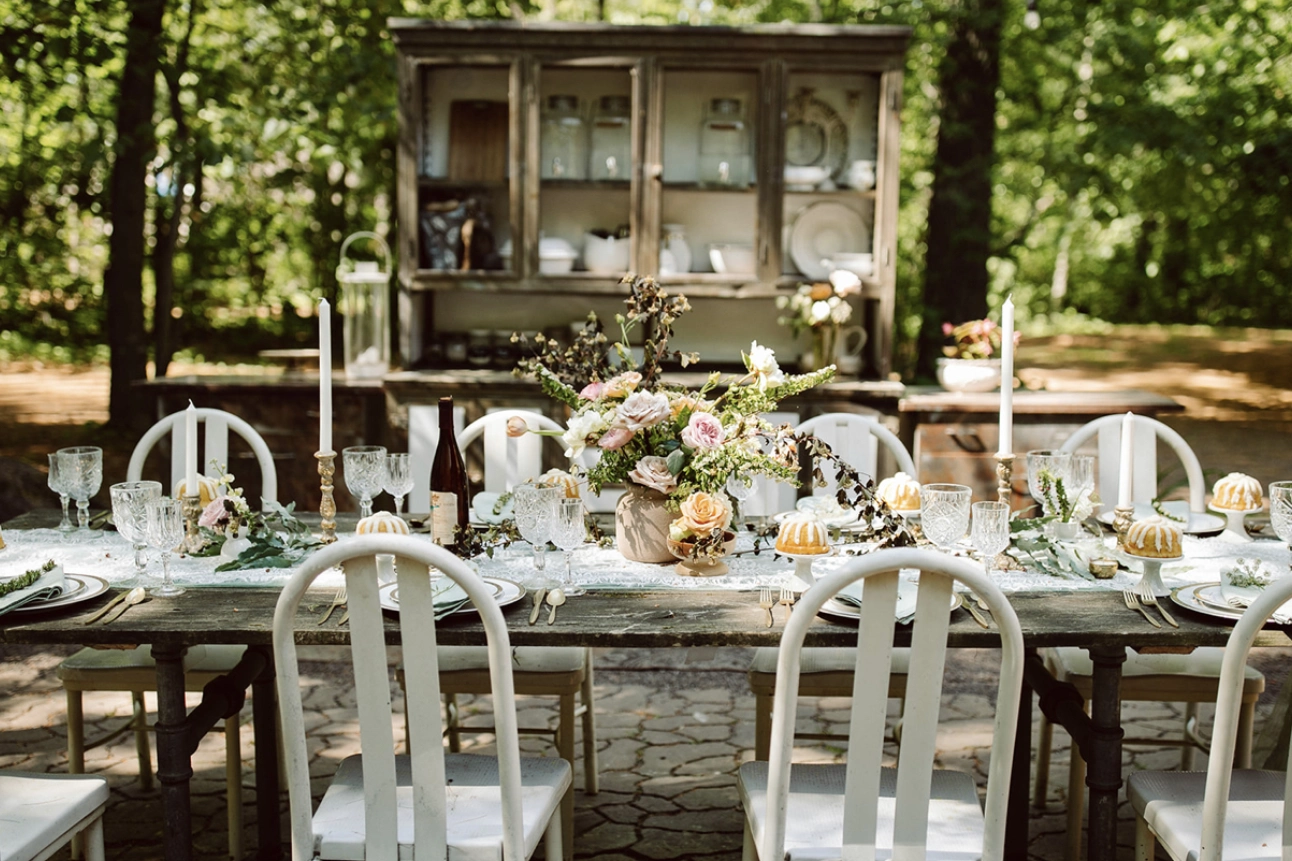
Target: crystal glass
x,y
535,511
165,531
1081,476
399,479
989,531
1281,509
81,467
130,513
742,489
365,473
58,483
1049,460
568,533
944,513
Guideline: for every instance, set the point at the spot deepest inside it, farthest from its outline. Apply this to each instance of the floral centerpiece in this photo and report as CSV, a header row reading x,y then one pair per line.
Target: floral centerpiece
x,y
274,538
972,359
674,448
821,309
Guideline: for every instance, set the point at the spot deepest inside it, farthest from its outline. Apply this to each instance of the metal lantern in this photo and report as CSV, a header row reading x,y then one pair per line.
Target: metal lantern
x,y
365,304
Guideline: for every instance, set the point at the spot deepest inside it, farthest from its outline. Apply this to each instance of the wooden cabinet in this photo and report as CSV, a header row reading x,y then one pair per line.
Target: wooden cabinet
x,y
538,162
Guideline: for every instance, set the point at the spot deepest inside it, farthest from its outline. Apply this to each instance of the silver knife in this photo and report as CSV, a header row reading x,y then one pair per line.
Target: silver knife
x,y
539,595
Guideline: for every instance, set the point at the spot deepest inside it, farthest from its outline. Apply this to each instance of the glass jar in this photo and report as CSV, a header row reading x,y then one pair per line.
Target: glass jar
x,y
724,145
675,243
612,139
479,348
564,140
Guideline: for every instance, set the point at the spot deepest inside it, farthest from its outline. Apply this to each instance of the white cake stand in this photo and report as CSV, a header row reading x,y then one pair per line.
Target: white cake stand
x,y
803,565
1235,529
1152,579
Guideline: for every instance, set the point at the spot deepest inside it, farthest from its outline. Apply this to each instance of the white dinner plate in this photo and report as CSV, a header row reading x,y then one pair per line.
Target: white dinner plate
x,y
822,230
837,518
84,587
1198,523
906,591
1187,597
504,592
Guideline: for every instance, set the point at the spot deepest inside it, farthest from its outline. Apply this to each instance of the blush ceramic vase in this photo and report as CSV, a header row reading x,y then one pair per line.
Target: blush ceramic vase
x,y
969,375
642,519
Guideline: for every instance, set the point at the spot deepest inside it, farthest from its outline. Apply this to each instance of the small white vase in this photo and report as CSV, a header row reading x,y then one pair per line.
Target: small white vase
x,y
969,375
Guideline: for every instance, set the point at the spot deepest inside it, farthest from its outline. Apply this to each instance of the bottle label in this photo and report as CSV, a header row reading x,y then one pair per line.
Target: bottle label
x,y
444,517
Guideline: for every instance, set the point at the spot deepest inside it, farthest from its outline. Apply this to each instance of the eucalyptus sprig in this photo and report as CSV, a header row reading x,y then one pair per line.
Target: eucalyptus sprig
x,y
278,540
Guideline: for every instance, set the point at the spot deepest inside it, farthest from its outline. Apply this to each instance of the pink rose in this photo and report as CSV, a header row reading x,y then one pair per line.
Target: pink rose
x,y
642,410
214,515
703,431
652,471
592,391
615,438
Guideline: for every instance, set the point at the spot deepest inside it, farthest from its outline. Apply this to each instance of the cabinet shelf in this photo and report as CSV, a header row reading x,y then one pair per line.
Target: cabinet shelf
x,y
444,182
586,184
708,189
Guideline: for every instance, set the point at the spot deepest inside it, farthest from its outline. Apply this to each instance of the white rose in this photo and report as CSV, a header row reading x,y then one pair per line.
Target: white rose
x,y
844,282
582,426
820,312
763,365
642,410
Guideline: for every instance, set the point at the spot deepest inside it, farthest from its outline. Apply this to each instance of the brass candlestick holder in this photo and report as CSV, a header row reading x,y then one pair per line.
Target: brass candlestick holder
x,y
1123,516
1005,478
191,505
327,505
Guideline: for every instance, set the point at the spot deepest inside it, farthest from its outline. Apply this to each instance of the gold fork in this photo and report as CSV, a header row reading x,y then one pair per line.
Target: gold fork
x,y
1150,599
1133,603
767,602
338,601
787,598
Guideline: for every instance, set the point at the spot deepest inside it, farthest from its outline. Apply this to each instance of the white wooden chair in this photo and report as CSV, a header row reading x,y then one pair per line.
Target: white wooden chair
x,y
537,671
1190,679
133,670
41,813
426,804
861,810
1221,812
829,672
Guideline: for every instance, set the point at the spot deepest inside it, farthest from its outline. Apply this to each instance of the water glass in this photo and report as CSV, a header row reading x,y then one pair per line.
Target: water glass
x,y
1081,477
1281,509
990,530
399,479
944,513
81,467
57,482
130,513
165,531
365,473
741,488
1056,463
569,532
534,509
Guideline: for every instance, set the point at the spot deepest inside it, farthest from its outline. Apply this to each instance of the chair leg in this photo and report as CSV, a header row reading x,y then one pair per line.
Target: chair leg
x,y
143,748
591,782
554,840
451,713
1044,747
76,752
1145,842
762,726
1187,749
1246,718
92,836
233,782
748,851
1076,803
565,749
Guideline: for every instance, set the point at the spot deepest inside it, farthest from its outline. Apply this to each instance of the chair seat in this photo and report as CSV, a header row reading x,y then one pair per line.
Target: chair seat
x,y
814,816
1171,804
134,669
1071,663
37,809
524,659
474,806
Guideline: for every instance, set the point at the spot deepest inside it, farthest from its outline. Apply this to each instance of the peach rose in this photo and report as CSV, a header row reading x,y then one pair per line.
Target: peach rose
x,y
703,512
517,427
621,385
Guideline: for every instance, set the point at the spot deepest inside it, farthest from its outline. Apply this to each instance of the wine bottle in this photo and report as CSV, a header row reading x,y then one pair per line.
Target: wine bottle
x,y
450,502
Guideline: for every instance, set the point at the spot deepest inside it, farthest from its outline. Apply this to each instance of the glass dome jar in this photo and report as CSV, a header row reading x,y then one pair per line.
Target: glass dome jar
x,y
612,139
724,145
365,307
564,140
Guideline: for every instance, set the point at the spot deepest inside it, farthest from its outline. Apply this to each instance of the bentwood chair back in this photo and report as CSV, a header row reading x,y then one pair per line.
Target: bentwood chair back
x,y
1223,812
1106,431
41,813
508,460
857,440
426,804
218,423
862,809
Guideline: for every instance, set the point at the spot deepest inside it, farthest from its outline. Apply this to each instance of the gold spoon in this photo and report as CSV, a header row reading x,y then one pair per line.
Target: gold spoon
x,y
103,611
137,596
555,598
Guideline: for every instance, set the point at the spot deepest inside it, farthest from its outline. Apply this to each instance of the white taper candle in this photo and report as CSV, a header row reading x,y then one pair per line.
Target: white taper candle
x,y
190,450
1006,446
325,376
1127,463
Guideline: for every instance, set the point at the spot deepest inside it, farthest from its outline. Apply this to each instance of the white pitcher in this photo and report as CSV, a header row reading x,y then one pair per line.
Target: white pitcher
x,y
849,344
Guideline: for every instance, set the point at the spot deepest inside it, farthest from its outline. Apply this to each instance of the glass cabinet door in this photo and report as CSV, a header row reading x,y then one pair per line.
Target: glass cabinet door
x,y
585,151
465,216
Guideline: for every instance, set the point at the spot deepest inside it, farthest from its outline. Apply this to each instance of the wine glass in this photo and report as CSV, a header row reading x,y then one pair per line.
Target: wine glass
x,y
990,530
1052,461
1081,476
165,531
1281,509
365,472
944,513
535,511
81,467
741,488
399,479
569,532
57,482
130,513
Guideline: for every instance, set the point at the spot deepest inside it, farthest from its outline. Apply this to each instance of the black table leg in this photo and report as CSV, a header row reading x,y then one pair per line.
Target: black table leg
x,y
1104,773
1016,817
264,705
174,761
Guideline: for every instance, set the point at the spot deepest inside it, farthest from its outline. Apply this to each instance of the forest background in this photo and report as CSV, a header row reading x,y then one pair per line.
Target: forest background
x,y
1118,162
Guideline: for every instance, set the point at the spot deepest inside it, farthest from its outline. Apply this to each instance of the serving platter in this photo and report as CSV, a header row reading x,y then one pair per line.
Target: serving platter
x,y
820,231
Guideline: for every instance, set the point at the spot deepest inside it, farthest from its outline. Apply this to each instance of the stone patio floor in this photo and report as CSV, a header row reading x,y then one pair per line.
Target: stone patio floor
x,y
672,725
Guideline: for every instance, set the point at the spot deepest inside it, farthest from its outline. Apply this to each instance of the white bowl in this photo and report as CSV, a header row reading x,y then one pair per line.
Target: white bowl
x,y
554,265
862,264
805,177
732,259
555,256
609,255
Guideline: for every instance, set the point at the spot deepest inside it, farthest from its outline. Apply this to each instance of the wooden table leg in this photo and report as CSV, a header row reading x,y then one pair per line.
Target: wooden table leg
x,y
174,763
1104,774
264,705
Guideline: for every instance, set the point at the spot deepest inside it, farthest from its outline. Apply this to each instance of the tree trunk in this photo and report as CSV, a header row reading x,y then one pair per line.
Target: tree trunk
x,y
135,145
959,234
